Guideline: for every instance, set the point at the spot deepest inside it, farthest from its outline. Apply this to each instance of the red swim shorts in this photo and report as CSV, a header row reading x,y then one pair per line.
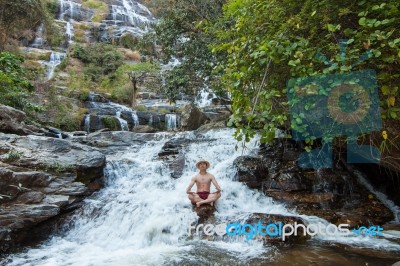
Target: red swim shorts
x,y
203,194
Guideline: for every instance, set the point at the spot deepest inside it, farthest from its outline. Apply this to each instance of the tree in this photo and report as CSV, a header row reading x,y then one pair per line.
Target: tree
x,y
268,42
135,78
181,34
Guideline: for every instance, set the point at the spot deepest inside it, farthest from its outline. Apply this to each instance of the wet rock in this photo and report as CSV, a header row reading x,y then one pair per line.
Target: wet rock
x,y
276,219
192,118
172,156
205,212
333,194
251,171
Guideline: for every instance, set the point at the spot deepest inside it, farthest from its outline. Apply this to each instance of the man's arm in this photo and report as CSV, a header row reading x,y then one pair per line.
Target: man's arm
x,y
191,185
214,181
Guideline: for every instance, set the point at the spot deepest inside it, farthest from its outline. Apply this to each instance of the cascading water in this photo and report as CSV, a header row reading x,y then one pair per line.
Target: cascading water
x,y
55,60
123,123
204,97
171,121
141,217
135,118
38,42
69,31
99,106
86,123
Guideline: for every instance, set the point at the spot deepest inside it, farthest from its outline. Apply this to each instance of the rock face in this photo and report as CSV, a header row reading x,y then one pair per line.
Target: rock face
x,y
13,121
192,118
173,157
251,170
276,219
42,178
333,194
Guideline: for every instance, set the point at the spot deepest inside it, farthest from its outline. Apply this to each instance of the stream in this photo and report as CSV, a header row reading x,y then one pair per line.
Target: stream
x,y
142,215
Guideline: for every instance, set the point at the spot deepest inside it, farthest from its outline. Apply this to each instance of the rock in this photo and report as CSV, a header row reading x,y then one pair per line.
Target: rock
x,y
172,156
144,129
13,121
43,179
251,170
211,125
205,212
275,219
192,118
332,194
31,197
285,182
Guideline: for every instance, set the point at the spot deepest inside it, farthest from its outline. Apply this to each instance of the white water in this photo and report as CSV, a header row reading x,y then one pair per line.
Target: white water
x,y
55,60
117,109
123,123
171,121
69,31
134,14
135,118
204,97
86,123
38,42
142,216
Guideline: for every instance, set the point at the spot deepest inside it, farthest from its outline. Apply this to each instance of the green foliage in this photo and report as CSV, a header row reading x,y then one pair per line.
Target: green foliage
x,y
15,89
110,122
52,7
100,59
17,18
268,42
129,41
120,86
13,155
180,34
176,81
58,167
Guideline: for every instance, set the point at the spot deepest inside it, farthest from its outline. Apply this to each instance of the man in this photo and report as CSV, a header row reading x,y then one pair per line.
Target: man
x,y
203,182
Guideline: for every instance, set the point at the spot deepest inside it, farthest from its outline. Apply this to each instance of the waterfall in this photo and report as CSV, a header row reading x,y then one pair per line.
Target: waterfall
x,y
69,31
122,122
171,121
142,215
55,60
86,123
135,118
38,42
204,97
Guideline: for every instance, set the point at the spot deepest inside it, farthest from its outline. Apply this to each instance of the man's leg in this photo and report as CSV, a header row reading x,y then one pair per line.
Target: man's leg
x,y
194,198
210,199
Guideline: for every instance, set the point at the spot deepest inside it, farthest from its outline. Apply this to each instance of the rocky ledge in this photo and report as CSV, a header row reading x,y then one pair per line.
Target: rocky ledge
x,y
336,194
42,178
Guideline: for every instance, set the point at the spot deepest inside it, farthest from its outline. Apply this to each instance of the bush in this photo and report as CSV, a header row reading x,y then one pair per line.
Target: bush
x,y
102,59
15,89
129,41
110,122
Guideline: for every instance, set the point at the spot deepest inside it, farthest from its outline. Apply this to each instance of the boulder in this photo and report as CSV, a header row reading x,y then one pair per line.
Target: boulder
x,y
13,121
333,194
192,118
40,179
251,170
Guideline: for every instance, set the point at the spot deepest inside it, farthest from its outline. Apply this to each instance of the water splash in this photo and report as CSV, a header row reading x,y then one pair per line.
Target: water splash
x,y
171,122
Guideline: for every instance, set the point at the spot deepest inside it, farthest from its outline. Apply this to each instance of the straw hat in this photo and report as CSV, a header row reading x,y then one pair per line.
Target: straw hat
x,y
203,161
